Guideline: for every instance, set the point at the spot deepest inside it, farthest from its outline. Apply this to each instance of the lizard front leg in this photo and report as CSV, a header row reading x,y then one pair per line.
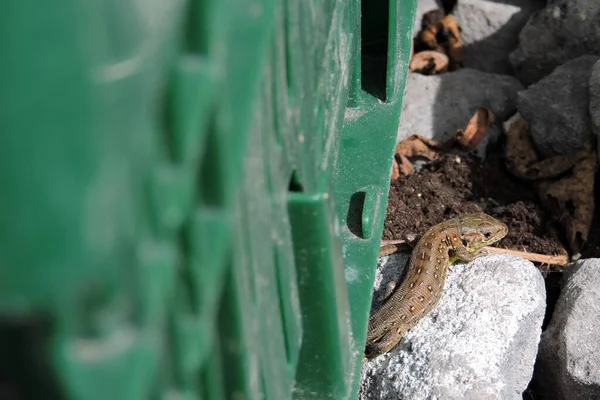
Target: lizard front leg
x,y
463,254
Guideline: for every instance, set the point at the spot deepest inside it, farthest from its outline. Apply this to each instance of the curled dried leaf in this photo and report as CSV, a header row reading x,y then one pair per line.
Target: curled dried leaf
x,y
440,33
476,129
571,199
395,170
555,166
519,152
412,146
454,46
405,167
427,41
426,38
418,146
522,159
432,18
401,166
565,183
429,63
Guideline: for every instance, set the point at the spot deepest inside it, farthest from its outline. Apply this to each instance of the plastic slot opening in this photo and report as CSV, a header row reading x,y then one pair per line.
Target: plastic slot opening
x,y
355,211
295,185
374,47
24,370
196,33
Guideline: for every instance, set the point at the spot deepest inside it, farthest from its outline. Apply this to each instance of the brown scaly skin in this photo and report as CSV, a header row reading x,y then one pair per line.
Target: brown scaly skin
x,y
459,238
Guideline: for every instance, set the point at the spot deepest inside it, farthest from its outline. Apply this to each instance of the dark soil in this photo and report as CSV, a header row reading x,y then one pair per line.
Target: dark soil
x,y
459,183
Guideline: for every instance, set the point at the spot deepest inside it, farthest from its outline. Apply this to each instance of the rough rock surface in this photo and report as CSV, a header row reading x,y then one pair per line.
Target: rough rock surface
x,y
436,106
424,6
479,342
562,31
568,365
490,31
595,99
557,108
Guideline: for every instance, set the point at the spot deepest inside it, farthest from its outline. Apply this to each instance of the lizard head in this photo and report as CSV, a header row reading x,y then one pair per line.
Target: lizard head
x,y
479,230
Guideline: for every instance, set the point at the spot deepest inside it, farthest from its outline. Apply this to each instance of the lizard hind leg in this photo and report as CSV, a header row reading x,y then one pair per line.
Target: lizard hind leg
x,y
387,342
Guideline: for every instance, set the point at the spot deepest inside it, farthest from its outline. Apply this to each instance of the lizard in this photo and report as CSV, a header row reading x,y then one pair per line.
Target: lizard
x,y
460,238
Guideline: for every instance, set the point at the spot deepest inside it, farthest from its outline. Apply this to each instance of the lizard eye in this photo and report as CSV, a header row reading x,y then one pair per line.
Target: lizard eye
x,y
487,235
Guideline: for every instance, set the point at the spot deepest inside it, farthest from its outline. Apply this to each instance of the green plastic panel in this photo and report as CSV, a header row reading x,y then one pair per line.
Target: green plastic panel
x,y
193,194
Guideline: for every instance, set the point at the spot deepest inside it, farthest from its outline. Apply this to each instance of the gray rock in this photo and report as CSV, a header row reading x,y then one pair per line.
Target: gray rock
x,y
424,6
479,342
436,106
490,31
595,98
557,108
568,365
562,31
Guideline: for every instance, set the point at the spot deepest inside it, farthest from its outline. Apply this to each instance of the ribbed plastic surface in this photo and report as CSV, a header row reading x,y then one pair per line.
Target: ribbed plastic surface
x,y
193,194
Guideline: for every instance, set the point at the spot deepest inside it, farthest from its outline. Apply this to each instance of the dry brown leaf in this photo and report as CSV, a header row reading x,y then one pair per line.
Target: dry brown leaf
x,y
412,146
426,38
401,166
476,129
522,159
454,47
429,62
555,166
432,18
519,152
395,170
405,167
439,33
571,199
418,146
